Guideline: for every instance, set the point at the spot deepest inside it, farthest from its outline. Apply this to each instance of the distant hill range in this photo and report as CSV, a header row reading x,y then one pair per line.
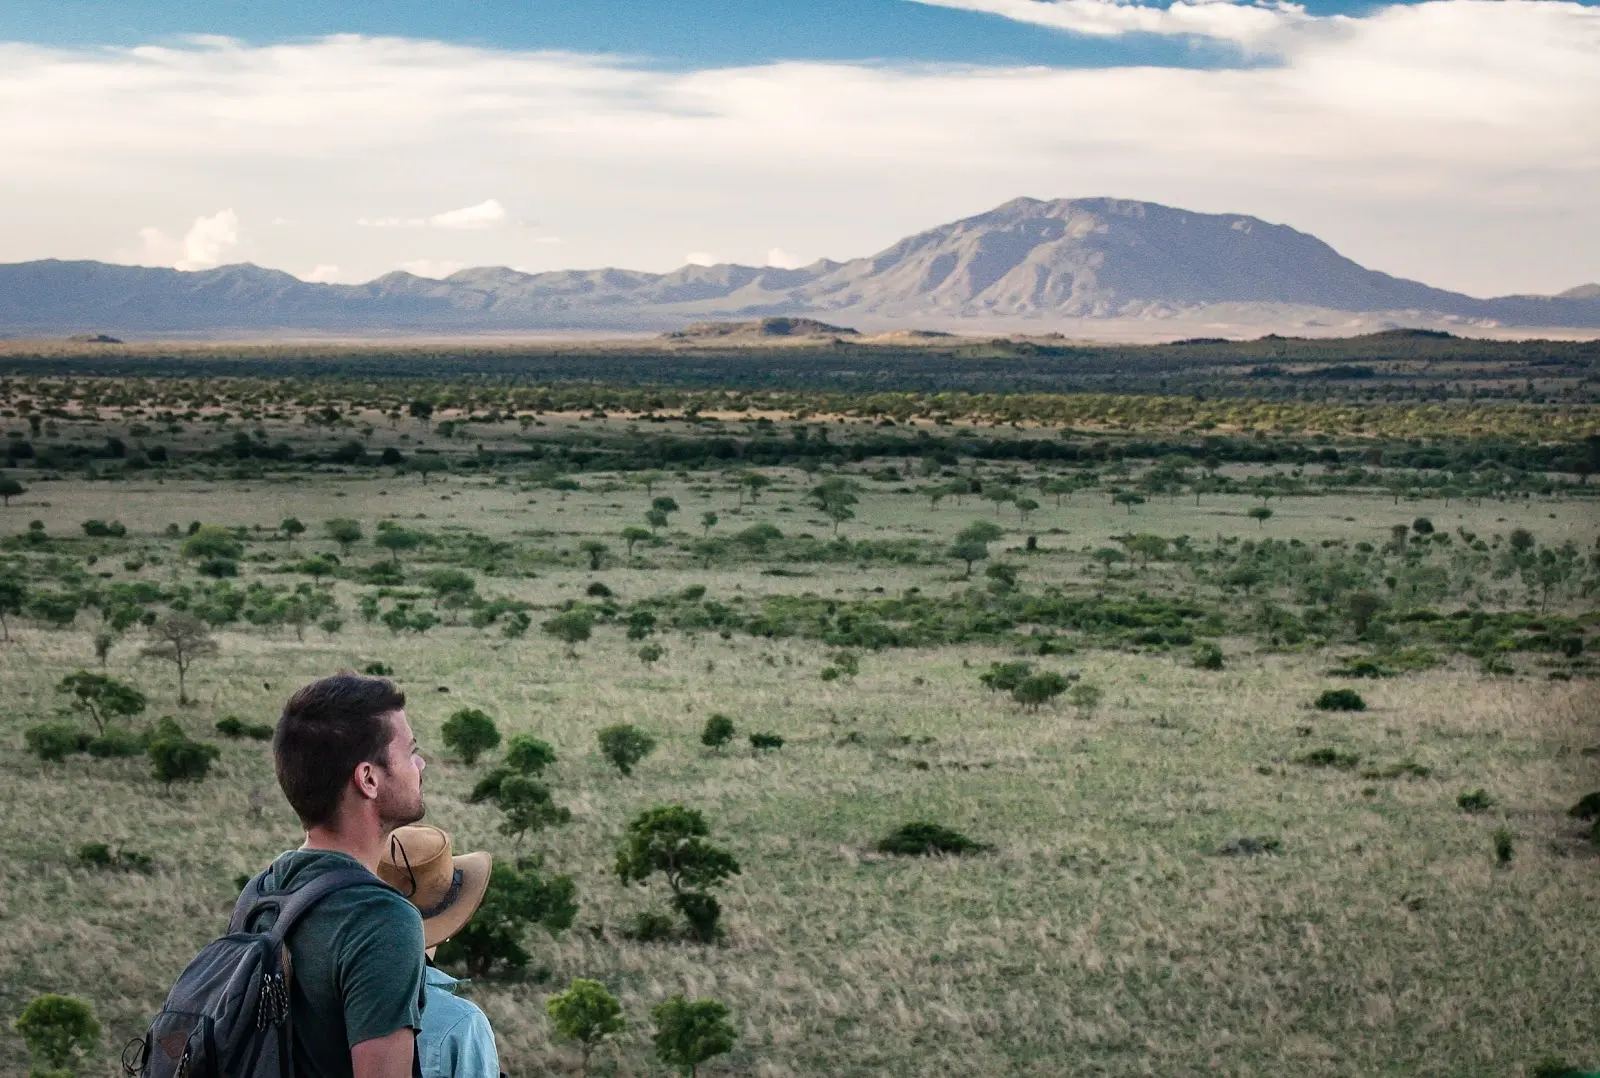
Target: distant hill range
x,y
1028,265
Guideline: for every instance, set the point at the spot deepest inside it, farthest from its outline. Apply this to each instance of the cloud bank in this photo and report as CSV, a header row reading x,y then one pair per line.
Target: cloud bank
x,y
1456,141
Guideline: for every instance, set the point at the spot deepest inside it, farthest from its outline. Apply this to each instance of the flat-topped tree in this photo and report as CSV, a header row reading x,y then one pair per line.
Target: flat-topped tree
x,y
103,698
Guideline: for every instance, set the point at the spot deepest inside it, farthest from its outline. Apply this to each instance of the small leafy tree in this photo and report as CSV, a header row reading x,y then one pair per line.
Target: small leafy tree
x,y
671,840
596,550
347,533
518,898
571,628
104,698
528,755
708,520
760,742
585,1013
10,488
528,807
58,1030
470,733
718,732
835,496
292,527
651,653
1003,677
394,539
1260,514
690,1032
180,638
13,600
755,483
1207,657
1362,607
625,745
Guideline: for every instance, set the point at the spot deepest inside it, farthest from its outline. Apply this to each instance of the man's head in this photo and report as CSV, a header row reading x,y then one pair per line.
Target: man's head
x,y
344,742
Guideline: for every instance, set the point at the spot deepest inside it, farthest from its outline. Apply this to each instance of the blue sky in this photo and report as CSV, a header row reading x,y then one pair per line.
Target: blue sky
x,y
1451,141
670,33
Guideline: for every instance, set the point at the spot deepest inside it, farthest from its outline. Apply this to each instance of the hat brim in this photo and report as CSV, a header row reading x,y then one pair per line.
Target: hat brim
x,y
474,869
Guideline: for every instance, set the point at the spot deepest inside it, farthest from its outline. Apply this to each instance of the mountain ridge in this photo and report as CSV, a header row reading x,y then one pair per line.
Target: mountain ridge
x,y
1032,261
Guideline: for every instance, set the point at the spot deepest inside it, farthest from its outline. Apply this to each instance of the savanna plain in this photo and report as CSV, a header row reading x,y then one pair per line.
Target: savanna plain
x,y
1267,737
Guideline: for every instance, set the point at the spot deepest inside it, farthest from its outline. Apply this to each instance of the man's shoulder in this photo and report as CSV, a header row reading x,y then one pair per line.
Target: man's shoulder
x,y
368,899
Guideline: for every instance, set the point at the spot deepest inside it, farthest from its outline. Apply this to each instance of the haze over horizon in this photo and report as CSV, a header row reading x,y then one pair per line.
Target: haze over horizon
x,y
1453,142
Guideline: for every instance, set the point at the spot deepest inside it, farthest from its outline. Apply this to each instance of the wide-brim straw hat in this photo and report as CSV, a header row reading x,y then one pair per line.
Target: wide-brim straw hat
x,y
446,888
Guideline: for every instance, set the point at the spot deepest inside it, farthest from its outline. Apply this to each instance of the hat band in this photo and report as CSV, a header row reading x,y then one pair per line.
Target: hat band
x,y
449,898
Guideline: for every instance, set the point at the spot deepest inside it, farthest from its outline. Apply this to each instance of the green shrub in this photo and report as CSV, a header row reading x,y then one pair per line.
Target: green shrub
x,y
1361,668
922,839
52,741
651,653
218,567
1340,700
1343,761
1476,801
1085,697
116,743
760,742
488,787
230,726
689,1032
1207,657
625,745
96,855
1036,690
378,670
1505,841
470,733
1004,677
175,757
528,806
1407,769
259,731
58,1030
652,926
718,732
1587,808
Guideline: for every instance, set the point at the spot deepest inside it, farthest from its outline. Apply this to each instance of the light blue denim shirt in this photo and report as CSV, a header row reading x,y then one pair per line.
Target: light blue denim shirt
x,y
456,1041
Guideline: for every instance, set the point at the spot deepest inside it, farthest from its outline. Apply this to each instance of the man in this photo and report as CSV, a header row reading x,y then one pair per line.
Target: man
x,y
347,763
455,1041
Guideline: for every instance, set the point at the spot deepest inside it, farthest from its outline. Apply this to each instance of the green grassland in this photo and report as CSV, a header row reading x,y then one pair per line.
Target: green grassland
x,y
1106,931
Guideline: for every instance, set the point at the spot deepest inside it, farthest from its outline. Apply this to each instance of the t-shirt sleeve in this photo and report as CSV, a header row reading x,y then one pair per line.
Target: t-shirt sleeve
x,y
379,964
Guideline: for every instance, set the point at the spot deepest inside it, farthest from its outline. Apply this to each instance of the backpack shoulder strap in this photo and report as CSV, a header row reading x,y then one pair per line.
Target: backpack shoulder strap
x,y
292,905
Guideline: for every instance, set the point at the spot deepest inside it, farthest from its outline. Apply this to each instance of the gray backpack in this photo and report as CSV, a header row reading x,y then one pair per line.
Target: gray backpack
x,y
228,1014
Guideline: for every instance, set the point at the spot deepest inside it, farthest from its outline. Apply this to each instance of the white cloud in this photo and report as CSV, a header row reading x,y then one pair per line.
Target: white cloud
x,y
427,267
323,273
486,214
204,246
1452,140
777,256
700,258
1251,24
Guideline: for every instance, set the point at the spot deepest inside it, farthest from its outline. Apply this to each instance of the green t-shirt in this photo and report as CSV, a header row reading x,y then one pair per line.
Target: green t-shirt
x,y
358,965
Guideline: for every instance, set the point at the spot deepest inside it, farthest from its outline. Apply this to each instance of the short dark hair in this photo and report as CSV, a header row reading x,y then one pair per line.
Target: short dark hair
x,y
326,730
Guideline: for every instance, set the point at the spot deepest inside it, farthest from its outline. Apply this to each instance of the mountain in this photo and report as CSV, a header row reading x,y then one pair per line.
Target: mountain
x,y
1033,263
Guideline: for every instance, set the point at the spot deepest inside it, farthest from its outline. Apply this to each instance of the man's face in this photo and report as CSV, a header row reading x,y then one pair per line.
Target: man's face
x,y
400,795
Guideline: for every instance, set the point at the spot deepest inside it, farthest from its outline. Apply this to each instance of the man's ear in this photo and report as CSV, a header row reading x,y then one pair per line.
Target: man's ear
x,y
365,780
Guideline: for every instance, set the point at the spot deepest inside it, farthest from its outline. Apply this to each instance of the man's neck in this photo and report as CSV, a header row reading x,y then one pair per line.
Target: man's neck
x,y
364,843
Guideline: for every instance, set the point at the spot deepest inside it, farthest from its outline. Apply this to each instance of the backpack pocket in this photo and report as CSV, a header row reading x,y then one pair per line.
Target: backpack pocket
x,y
180,1045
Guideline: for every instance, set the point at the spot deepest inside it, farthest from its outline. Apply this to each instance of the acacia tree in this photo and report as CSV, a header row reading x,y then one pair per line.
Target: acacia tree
x,y
834,496
972,543
633,534
671,840
571,628
755,483
394,539
596,551
180,638
291,527
104,698
10,488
